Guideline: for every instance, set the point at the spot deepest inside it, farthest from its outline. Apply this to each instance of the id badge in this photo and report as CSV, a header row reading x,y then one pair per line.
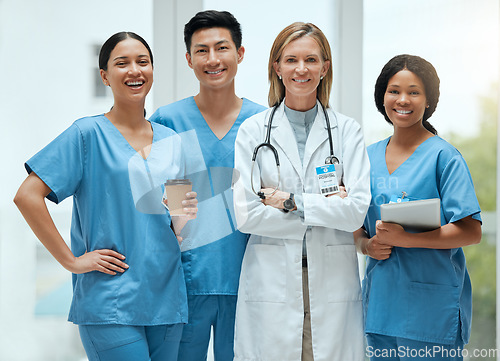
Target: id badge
x,y
396,199
327,179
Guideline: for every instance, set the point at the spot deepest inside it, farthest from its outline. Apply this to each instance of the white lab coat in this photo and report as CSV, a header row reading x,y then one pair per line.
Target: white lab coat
x,y
270,314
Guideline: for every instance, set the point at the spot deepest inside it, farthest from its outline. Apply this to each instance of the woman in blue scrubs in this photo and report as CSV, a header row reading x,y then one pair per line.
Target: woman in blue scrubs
x,y
416,291
129,297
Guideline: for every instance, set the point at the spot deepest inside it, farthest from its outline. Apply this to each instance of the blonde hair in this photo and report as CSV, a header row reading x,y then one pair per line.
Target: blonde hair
x,y
285,37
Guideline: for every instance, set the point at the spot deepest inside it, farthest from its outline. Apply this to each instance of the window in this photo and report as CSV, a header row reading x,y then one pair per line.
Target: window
x,y
100,90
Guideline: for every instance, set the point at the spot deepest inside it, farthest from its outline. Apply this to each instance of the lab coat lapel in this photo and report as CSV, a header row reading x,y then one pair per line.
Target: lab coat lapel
x,y
282,134
317,136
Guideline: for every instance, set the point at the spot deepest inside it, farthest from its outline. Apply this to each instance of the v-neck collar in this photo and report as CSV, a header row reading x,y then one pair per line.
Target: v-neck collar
x,y
124,140
408,160
207,127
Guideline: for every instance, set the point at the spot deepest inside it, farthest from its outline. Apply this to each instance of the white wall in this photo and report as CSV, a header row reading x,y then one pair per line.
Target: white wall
x,y
174,79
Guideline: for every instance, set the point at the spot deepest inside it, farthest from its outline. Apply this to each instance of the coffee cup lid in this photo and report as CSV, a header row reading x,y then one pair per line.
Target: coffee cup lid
x,y
173,182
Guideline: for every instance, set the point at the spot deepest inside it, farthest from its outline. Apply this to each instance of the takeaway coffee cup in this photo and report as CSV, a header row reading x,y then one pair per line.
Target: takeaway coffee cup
x,y
175,190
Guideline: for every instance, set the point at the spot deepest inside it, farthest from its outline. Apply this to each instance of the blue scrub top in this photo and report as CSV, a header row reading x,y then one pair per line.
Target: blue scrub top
x,y
212,247
418,293
117,205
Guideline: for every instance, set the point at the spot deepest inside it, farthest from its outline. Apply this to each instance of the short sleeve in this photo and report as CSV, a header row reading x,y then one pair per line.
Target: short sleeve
x,y
60,164
160,118
457,192
156,117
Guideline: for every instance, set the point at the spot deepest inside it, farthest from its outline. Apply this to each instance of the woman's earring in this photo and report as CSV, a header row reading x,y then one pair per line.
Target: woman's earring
x,y
279,76
321,78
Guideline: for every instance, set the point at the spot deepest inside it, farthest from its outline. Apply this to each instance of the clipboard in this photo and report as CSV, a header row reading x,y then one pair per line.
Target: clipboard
x,y
415,216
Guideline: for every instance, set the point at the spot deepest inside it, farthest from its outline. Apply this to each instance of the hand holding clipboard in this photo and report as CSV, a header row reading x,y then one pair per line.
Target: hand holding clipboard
x,y
416,216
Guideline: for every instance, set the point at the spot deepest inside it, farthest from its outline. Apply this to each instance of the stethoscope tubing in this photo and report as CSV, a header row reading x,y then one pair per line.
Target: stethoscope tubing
x,y
267,143
331,159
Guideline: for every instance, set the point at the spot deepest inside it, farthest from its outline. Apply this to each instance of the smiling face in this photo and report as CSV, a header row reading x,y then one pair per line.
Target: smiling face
x,y
301,67
214,58
405,100
129,72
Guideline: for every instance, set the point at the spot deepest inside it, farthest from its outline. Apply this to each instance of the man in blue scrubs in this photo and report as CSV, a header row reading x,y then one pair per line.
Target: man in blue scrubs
x,y
212,247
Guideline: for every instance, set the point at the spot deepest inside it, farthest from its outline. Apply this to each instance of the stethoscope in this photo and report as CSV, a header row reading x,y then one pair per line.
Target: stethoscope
x,y
331,159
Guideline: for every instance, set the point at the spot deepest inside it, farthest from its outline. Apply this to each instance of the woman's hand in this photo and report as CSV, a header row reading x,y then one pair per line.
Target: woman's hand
x,y
342,193
390,233
190,207
274,200
376,249
101,260
372,247
461,233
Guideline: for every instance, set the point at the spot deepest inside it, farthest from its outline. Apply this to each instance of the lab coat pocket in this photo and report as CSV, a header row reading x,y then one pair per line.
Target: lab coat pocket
x,y
433,312
342,273
265,273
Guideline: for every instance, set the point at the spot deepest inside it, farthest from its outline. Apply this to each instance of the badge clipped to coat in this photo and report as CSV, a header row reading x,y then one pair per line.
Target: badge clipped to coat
x,y
327,179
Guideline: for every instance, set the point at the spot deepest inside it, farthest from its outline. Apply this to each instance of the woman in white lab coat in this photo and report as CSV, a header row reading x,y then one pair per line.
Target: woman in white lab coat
x,y
299,295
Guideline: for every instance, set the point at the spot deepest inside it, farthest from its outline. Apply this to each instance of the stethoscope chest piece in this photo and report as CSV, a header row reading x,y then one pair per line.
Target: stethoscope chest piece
x,y
331,159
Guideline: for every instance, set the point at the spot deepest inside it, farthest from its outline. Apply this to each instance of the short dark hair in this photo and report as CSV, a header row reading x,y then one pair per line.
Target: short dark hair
x,y
111,43
212,19
421,68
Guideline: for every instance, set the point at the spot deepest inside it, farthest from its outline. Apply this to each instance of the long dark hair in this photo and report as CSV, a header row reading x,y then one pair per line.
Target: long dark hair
x,y
421,68
111,43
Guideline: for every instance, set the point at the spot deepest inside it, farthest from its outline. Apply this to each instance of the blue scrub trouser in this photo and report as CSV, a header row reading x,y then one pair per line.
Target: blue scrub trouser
x,y
388,348
206,311
131,343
